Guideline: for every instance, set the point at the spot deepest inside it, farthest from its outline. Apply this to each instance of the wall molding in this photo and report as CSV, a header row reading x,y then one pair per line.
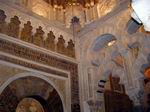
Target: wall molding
x,y
30,57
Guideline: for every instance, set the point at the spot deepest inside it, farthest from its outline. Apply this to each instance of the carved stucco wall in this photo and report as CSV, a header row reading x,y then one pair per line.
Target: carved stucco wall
x,y
130,73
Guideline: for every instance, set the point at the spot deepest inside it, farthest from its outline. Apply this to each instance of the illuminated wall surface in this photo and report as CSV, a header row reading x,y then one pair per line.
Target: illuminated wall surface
x,y
86,14
81,48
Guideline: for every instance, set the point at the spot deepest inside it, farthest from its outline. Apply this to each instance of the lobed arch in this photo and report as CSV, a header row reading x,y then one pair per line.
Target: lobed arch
x,y
102,41
91,36
95,47
92,48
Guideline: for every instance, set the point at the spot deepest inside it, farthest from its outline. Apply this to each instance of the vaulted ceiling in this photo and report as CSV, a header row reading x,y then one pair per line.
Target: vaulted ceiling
x,y
64,3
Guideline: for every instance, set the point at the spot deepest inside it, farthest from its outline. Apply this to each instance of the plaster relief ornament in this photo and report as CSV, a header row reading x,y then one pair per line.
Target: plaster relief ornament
x,y
13,27
26,33
61,45
2,22
50,41
71,49
38,37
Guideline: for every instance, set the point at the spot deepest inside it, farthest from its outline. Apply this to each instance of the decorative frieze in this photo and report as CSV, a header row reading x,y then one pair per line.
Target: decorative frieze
x,y
13,29
32,66
27,53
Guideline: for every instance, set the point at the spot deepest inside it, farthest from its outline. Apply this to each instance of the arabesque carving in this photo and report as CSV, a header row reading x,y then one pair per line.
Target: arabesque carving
x,y
13,27
50,41
26,33
2,22
38,37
